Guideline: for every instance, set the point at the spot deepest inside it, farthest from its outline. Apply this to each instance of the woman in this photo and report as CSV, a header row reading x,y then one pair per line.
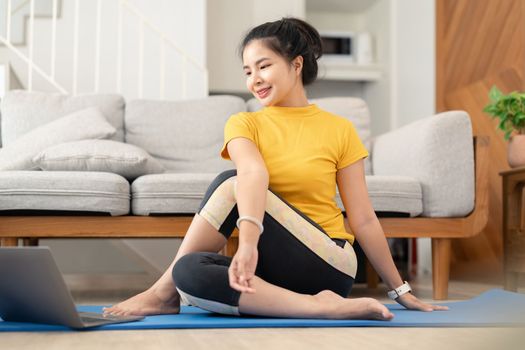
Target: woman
x,y
289,157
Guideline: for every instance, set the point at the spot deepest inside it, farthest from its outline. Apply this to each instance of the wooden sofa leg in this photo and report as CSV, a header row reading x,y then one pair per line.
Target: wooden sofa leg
x,y
9,242
231,246
441,248
372,279
30,242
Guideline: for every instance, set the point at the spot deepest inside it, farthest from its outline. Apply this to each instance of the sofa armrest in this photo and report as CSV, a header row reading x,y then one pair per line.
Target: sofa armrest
x,y
438,152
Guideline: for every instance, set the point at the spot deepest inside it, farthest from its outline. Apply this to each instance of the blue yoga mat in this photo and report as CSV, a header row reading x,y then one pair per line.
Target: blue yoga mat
x,y
494,308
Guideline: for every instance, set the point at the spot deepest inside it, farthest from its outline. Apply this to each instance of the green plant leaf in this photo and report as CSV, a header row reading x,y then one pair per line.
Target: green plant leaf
x,y
495,94
501,125
509,109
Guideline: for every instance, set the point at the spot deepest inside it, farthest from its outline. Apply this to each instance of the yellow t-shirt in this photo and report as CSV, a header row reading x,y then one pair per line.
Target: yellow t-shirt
x,y
302,147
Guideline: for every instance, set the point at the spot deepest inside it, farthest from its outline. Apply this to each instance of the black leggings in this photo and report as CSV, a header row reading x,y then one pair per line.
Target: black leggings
x,y
295,253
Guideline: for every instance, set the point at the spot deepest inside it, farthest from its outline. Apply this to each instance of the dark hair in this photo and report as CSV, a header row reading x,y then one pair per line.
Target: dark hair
x,y
290,37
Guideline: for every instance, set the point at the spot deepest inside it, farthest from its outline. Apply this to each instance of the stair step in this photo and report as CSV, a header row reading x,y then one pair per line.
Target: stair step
x,y
20,17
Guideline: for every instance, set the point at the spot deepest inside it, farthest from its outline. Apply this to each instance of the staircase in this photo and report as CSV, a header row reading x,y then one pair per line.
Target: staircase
x,y
95,46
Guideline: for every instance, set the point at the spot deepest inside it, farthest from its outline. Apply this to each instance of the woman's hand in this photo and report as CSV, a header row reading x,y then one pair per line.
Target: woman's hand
x,y
409,301
242,268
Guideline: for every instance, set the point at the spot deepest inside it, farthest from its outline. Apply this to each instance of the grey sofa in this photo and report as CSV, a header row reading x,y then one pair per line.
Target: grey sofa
x,y
425,169
433,177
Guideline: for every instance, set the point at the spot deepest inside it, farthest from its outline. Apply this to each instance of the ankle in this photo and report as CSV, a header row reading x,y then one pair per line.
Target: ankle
x,y
167,294
325,307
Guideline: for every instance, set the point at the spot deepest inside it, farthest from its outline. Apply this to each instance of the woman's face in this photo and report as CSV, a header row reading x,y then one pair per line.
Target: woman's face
x,y
269,76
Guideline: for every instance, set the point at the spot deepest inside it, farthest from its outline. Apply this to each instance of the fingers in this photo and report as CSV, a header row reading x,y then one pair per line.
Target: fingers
x,y
440,307
243,287
430,307
411,302
239,279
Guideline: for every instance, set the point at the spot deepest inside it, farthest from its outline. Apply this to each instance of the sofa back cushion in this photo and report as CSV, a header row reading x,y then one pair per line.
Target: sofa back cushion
x,y
185,136
438,152
23,111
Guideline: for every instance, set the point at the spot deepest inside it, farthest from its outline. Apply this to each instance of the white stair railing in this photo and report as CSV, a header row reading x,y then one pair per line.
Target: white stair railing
x,y
124,8
4,78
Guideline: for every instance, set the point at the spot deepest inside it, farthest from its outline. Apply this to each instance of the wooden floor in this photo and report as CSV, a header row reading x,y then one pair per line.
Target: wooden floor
x,y
286,338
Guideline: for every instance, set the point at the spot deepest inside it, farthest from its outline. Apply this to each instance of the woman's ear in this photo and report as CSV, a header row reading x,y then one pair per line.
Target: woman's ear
x,y
297,64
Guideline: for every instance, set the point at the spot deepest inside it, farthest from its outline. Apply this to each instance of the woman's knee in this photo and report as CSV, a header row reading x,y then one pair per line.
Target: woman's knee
x,y
220,179
218,206
198,272
202,280
184,269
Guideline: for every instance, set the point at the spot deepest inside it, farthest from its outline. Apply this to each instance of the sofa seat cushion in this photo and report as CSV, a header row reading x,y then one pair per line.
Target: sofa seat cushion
x,y
169,193
182,193
396,194
64,191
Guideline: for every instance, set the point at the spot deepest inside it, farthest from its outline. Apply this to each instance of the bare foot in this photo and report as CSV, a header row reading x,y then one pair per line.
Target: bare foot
x,y
145,304
358,308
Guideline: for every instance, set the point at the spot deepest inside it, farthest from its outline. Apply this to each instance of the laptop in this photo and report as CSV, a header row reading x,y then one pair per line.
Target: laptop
x,y
32,289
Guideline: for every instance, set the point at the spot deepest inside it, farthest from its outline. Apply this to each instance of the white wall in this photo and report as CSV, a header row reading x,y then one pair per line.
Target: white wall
x,y
414,79
378,94
415,83
228,22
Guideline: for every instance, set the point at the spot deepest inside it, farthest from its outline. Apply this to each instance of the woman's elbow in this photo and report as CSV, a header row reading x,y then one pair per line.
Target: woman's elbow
x,y
255,170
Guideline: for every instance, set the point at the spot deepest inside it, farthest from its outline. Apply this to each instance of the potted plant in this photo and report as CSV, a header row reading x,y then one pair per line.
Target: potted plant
x,y
510,110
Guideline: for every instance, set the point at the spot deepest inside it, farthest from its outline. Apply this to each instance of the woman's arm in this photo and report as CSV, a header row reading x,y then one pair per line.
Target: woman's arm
x,y
369,233
252,185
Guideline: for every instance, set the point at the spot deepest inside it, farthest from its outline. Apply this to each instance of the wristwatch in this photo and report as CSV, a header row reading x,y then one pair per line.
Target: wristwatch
x,y
399,291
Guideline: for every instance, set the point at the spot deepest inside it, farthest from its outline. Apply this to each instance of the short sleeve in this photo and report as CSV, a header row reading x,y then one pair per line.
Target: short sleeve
x,y
238,125
352,148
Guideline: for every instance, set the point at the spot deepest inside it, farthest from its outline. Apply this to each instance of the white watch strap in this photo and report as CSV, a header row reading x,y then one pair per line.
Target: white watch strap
x,y
399,291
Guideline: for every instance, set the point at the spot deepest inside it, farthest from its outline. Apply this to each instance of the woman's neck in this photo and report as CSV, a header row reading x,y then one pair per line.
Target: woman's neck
x,y
296,98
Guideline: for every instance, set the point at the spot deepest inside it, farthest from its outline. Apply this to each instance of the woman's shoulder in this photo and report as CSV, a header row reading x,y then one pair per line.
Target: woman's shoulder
x,y
335,119
245,117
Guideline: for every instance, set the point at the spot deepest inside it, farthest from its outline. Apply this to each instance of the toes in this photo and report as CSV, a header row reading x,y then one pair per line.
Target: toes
x,y
113,311
108,310
380,311
387,315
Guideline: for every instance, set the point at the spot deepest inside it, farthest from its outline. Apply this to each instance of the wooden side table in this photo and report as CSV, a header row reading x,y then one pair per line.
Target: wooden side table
x,y
513,226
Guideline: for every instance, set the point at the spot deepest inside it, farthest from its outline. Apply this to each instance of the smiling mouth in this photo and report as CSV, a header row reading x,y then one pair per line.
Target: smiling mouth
x,y
263,92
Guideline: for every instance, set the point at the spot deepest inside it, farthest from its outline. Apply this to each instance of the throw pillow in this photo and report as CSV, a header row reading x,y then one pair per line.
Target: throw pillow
x,y
84,124
116,157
